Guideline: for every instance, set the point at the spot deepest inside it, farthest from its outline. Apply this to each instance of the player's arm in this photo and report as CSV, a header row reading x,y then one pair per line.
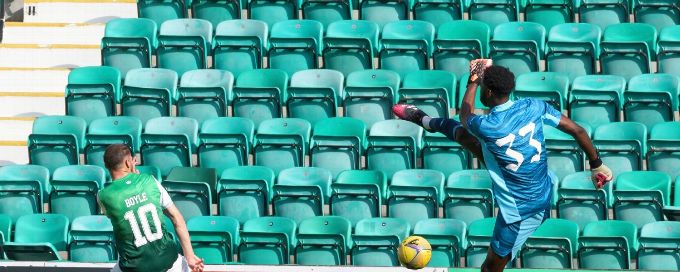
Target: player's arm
x,y
601,173
195,263
467,108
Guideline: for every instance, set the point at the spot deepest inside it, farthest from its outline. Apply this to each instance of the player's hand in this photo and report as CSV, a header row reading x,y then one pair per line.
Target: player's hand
x,y
195,263
477,68
601,175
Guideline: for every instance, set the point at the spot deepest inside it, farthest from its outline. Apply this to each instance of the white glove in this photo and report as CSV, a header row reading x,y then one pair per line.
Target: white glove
x,y
601,175
477,68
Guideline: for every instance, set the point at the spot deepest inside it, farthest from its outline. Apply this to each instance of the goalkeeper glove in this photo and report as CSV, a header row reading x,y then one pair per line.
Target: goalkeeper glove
x,y
600,173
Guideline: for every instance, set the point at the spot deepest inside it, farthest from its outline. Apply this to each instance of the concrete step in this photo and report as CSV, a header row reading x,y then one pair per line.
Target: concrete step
x,y
31,104
13,153
49,56
15,128
33,79
88,11
52,33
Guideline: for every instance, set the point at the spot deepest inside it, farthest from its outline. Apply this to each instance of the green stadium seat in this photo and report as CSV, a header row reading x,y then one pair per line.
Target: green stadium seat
x,y
622,145
38,237
430,90
259,94
596,99
5,228
300,192
579,201
459,42
358,194
267,241
294,45
376,240
149,93
659,246
281,143
204,94
183,45
129,43
660,14
111,130
92,240
191,189
92,92
244,192
519,46
216,12
442,154
603,13
338,144
668,57
272,12
628,49
350,45
384,12
573,49
548,86
447,238
552,245
461,92
393,145
564,154
468,196
150,170
24,190
415,194
326,12
607,245
161,10
56,141
74,190
639,196
438,12
239,45
214,238
370,94
663,153
406,46
168,142
549,13
315,94
479,239
494,12
323,240
651,99
225,142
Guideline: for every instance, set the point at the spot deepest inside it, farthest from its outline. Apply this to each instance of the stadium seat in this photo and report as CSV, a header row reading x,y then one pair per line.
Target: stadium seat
x,y
129,43
462,88
639,196
337,144
295,45
549,13
430,90
376,240
447,238
607,245
92,240
415,194
281,143
519,46
169,142
564,154
326,12
191,189
259,94
442,154
149,170
438,12
56,141
494,13
384,12
267,241
660,14
651,99
406,46
244,192
38,237
393,145
74,190
552,245
149,93
358,194
204,94
622,145
161,10
459,42
662,155
111,130
659,246
239,45
370,94
315,94
350,45
214,238
323,240
579,201
548,86
92,92
216,12
183,45
5,228
225,142
573,49
468,196
300,192
596,99
272,12
603,13
479,239
24,190
672,212
668,57
627,49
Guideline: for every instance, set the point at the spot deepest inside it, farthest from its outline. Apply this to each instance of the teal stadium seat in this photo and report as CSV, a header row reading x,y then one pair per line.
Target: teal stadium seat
x,y
564,154
494,12
272,12
549,13
300,192
358,194
639,196
149,170
573,49
74,190
384,12
659,246
225,142
406,46
294,45
579,201
651,99
447,238
323,240
672,211
468,196
214,238
627,49
660,14
56,141
111,130
552,245
415,194
393,145
370,94
169,142
664,152
24,190
244,192
191,189
350,45
267,241
92,240
442,154
5,228
315,94
479,239
326,12
519,46
149,93
259,94
38,237
92,92
622,145
603,13
607,245
204,94
438,12
668,57
281,143
161,10
183,45
129,43
432,91
376,240
337,144
550,87
459,42
216,12
239,45
596,99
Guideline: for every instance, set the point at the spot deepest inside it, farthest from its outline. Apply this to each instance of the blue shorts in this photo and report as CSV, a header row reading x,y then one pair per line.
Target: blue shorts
x,y
509,238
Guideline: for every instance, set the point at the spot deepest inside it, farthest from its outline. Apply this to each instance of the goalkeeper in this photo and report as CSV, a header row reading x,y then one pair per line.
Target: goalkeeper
x,y
512,147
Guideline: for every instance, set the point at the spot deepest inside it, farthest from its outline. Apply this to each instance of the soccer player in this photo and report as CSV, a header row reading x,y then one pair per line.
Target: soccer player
x,y
512,147
134,204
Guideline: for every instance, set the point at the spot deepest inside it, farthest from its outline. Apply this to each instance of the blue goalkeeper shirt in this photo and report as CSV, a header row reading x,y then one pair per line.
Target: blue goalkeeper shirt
x,y
514,154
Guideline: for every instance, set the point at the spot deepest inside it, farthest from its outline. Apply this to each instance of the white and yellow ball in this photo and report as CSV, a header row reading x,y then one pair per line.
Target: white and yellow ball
x,y
414,252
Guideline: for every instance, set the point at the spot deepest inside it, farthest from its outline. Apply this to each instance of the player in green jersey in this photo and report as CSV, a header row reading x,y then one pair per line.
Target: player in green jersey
x,y
134,204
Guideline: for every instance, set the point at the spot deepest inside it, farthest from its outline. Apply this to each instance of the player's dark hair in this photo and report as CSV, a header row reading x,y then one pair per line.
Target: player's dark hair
x,y
499,80
115,154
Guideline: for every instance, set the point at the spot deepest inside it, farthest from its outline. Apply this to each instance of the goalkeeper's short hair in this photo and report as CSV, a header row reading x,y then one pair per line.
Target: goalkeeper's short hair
x,y
499,79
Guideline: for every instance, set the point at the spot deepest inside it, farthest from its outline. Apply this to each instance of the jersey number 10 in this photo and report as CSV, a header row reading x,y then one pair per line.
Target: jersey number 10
x,y
148,236
508,140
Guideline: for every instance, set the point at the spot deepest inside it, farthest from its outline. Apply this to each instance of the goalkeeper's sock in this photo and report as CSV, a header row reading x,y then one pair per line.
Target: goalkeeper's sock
x,y
448,127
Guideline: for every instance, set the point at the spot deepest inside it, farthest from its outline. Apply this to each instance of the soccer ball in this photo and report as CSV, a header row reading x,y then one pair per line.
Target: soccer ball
x,y
414,252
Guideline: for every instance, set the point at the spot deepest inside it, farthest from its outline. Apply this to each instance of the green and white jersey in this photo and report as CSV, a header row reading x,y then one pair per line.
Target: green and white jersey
x,y
135,204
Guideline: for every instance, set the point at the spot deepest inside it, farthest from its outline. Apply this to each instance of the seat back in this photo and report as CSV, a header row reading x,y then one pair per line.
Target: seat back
x,y
349,45
27,187
667,58
119,34
564,156
621,145
267,240
281,143
273,12
468,196
56,141
149,93
479,239
225,142
518,46
658,241
384,13
549,13
627,49
42,228
406,46
204,94
325,12
639,196
662,155
548,86
259,94
315,94
239,45
375,241
611,240
323,240
214,238
572,49
589,93
111,130
161,11
244,192
651,99
183,45
74,190
415,194
92,92
438,12
6,227
494,13
358,194
295,45
216,13
370,94
579,201
442,154
432,91
393,145
459,42
169,142
552,245
602,12
300,192
660,14
447,238
338,144
92,239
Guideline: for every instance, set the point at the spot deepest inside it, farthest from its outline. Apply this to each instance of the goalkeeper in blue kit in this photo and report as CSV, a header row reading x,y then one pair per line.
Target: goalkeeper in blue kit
x,y
509,139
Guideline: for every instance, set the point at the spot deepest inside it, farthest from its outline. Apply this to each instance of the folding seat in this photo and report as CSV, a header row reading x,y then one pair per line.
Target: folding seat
x,y
659,246
281,143
92,92
415,194
573,49
169,142
300,192
519,46
459,42
375,241
326,12
384,12
552,245
603,13
564,154
129,43
639,196
337,144
358,194
111,130
183,45
259,94
548,86
350,45
607,245
438,12
24,190
479,239
74,190
579,201
38,237
393,145
596,99
431,90
651,99
323,240
672,212
447,238
150,170
549,13
225,142
244,192
161,10
204,94
627,49
272,12
267,240
660,14
5,228
56,141
494,13
239,45
668,57
295,45
216,12
468,196
370,94
149,93
621,145
92,240
664,149
315,94
444,155
406,46
214,238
